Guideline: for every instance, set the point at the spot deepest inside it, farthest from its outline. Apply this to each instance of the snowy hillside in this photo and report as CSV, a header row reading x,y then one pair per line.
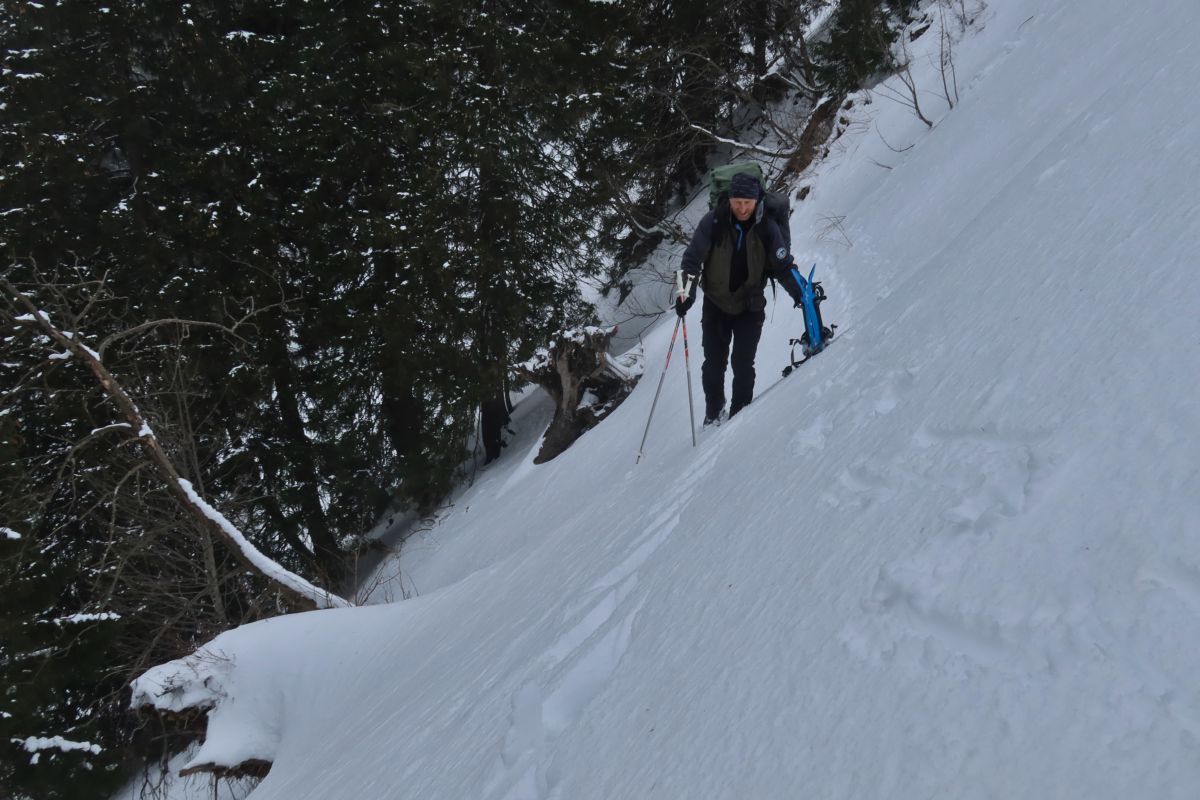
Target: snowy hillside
x,y
957,555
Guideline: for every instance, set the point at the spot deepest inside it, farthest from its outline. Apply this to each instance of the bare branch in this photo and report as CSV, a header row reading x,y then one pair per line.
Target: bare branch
x,y
834,230
907,98
295,586
145,326
889,146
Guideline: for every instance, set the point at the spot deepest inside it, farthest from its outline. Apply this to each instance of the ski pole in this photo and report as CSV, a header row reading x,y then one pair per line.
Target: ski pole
x,y
687,364
688,367
658,391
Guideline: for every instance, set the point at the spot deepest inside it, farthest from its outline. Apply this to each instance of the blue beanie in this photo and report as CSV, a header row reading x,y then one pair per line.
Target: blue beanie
x,y
744,185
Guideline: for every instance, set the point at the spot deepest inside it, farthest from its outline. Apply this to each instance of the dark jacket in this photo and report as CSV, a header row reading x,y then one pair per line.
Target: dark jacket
x,y
734,261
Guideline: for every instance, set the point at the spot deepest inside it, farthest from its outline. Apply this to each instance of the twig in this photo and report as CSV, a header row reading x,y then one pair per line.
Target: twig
x,y
145,326
889,147
835,224
743,145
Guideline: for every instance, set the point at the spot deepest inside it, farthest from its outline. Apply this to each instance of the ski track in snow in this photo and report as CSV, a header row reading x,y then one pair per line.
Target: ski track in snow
x,y
578,665
1179,578
918,616
913,600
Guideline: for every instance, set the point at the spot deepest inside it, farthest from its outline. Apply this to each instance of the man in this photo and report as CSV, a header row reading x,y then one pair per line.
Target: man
x,y
734,250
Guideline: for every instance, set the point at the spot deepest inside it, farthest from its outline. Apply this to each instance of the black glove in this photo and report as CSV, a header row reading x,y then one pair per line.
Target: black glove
x,y
682,304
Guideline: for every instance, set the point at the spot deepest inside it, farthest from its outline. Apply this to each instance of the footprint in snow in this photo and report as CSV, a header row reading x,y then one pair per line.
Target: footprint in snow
x,y
903,625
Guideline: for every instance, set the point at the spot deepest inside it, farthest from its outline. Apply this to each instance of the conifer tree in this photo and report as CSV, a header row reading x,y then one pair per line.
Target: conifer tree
x,y
859,45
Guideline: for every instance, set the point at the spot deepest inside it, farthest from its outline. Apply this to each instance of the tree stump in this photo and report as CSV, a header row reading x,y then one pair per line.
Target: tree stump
x,y
585,382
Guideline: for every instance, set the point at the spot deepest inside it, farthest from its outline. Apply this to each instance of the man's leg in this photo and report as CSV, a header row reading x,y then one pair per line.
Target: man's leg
x,y
716,331
747,330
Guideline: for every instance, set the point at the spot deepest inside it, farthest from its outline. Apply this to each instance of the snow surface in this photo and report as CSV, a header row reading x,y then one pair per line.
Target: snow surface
x,y
957,555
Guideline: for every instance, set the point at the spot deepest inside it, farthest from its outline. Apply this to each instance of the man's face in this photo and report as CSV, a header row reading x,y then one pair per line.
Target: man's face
x,y
742,207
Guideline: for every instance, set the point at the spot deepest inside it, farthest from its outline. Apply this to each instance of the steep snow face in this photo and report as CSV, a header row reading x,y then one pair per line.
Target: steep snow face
x,y
957,555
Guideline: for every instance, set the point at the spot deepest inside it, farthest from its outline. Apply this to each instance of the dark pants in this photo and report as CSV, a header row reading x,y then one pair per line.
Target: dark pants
x,y
719,328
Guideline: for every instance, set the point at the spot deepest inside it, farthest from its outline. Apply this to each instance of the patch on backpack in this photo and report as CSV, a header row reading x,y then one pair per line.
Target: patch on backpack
x,y
780,254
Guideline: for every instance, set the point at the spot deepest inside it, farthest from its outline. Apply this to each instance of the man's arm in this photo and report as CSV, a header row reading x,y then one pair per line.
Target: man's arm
x,y
780,261
697,249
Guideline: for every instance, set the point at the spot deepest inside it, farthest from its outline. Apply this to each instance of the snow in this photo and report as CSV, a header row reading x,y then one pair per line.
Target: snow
x,y
9,533
579,335
629,365
114,426
30,317
36,744
75,619
63,356
192,682
957,555
71,335
589,399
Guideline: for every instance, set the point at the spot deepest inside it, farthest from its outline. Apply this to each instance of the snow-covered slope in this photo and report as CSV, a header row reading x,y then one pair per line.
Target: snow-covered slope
x,y
957,555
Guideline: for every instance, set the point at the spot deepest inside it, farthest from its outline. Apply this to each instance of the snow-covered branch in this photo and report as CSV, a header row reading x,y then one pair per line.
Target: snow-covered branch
x,y
743,145
180,489
36,744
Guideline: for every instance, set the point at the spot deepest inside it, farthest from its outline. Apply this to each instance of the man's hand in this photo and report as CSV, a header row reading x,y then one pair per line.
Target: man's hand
x,y
682,304
685,284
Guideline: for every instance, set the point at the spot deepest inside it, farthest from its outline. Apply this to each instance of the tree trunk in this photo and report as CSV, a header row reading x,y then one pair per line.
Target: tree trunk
x,y
760,34
494,227
494,416
577,363
328,555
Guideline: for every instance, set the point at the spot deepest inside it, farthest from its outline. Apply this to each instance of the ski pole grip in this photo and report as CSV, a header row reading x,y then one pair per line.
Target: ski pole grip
x,y
683,284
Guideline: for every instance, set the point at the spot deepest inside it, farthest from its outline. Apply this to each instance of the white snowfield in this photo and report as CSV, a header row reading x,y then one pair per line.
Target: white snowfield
x,y
955,556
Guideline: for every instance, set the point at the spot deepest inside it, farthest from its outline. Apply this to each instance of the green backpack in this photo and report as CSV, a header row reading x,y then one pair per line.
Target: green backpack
x,y
775,204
